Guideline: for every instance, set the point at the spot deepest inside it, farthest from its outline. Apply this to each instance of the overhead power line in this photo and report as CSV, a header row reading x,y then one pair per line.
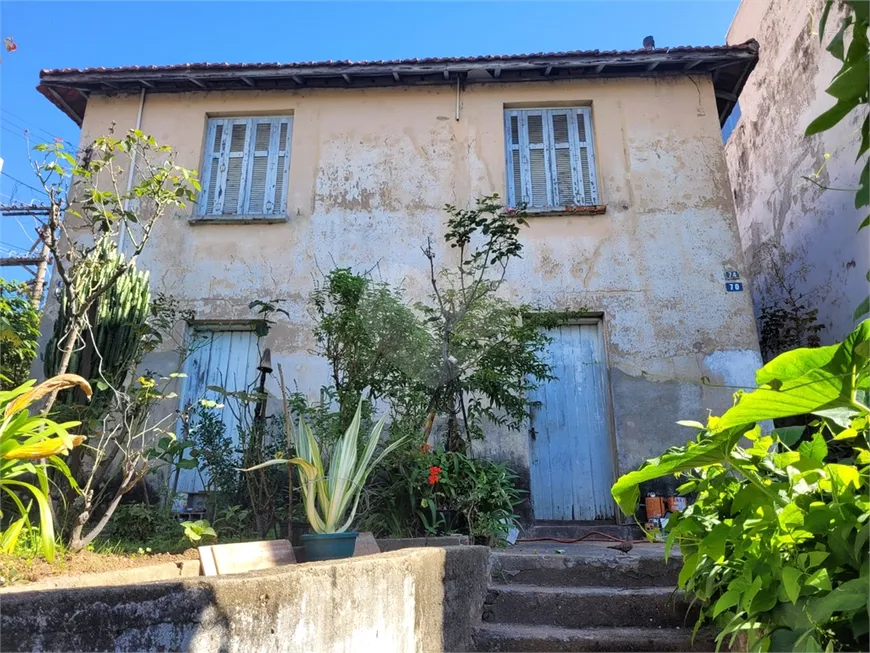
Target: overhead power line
x,y
21,183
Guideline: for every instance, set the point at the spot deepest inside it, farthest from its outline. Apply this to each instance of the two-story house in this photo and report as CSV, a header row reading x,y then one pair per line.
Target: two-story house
x,y
618,155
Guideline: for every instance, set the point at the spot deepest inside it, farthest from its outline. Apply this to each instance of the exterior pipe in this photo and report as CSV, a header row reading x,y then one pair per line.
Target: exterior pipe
x,y
457,97
123,235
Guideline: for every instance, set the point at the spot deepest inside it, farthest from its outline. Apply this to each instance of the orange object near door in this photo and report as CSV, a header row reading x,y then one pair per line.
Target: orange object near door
x,y
655,507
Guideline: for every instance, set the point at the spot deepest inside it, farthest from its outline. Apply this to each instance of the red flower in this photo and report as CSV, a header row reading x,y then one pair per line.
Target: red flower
x,y
433,474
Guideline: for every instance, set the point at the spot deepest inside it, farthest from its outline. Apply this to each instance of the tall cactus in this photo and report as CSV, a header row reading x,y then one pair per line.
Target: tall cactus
x,y
112,340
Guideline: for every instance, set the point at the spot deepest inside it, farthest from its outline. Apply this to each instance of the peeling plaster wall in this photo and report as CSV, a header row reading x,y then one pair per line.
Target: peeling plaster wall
x,y
370,171
789,225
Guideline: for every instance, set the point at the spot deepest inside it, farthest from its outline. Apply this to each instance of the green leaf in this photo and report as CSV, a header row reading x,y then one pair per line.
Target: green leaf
x,y
844,475
820,579
861,9
709,449
851,83
783,460
691,424
788,435
865,223
728,600
862,197
824,19
865,139
831,117
851,595
816,450
749,594
818,389
795,363
713,545
791,517
764,600
837,46
790,579
864,307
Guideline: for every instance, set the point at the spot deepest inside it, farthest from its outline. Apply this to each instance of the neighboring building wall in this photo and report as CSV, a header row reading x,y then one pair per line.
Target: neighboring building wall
x,y
790,227
370,172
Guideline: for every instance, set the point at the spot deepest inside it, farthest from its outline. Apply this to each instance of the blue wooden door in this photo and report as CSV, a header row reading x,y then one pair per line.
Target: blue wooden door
x,y
224,358
570,444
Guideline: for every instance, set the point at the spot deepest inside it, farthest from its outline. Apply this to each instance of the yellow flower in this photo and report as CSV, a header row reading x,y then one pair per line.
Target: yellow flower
x,y
44,449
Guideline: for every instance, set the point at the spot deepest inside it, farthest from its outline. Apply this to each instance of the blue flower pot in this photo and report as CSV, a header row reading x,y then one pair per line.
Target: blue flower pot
x,y
328,546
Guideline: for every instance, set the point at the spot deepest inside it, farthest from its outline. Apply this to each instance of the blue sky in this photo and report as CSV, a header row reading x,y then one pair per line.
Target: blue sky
x,y
75,34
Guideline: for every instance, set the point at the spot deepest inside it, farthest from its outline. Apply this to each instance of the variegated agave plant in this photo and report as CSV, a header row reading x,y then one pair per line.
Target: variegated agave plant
x,y
332,492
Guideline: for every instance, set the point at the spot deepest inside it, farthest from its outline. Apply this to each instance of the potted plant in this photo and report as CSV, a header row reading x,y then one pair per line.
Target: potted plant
x,y
331,491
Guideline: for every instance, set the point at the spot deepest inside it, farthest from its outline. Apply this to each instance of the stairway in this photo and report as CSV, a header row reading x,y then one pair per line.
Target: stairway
x,y
586,598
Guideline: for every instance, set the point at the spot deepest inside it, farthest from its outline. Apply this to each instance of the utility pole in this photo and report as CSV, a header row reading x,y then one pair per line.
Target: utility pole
x,y
42,260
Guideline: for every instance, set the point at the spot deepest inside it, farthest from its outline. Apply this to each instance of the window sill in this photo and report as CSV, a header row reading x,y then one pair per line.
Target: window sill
x,y
598,209
237,219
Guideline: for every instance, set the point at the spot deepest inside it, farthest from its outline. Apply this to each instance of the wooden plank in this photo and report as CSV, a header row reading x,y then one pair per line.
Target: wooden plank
x,y
10,261
237,558
206,561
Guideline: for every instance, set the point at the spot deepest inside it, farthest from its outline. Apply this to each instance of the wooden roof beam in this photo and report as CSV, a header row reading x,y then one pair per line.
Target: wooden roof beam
x,y
64,104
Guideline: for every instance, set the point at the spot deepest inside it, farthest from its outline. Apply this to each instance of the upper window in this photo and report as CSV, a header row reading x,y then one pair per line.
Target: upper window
x,y
245,168
550,158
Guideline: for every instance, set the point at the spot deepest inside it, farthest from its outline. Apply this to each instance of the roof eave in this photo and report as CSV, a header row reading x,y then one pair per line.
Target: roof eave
x,y
69,90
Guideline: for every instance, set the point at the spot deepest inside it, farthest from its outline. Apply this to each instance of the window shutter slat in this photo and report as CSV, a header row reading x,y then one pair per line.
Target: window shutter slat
x,y
235,168
272,168
586,158
514,130
234,186
237,143
286,138
221,176
560,128
538,174
536,129
564,177
210,185
210,167
259,167
516,175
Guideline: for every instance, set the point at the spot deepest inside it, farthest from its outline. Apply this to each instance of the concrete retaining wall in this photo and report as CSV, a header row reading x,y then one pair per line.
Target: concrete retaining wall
x,y
410,600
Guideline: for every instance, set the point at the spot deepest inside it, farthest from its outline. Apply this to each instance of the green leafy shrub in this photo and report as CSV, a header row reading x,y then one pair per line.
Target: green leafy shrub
x,y
138,523
775,545
19,330
423,491
233,523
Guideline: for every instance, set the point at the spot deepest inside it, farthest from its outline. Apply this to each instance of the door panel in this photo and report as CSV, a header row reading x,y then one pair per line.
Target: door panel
x,y
570,445
227,359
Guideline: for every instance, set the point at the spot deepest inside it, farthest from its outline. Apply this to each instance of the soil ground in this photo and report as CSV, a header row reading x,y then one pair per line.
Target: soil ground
x,y
17,570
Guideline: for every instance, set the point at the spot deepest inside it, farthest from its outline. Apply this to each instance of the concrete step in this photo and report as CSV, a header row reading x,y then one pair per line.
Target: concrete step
x,y
510,637
567,530
585,565
587,607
